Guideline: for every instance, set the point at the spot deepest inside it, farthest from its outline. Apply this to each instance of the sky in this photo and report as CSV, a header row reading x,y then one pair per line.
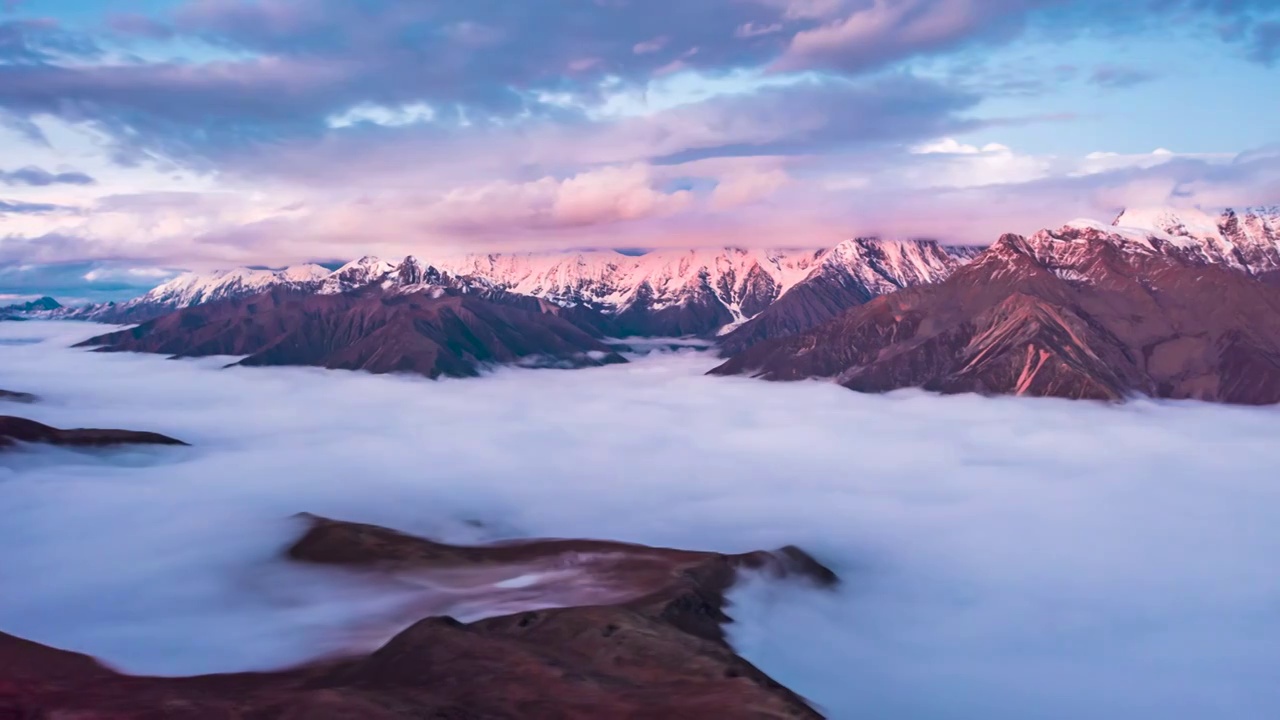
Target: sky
x,y
1001,558
143,137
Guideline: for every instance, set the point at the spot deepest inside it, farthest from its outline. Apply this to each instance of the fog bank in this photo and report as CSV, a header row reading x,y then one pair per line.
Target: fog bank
x,y
1003,558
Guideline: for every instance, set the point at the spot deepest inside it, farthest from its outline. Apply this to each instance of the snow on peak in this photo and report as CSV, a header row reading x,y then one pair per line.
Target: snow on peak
x,y
1179,222
356,274
1248,239
612,281
883,266
195,288
307,273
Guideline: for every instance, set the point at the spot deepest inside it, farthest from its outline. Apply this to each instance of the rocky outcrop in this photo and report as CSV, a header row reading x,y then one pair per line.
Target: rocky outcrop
x,y
1083,312
15,430
657,653
428,333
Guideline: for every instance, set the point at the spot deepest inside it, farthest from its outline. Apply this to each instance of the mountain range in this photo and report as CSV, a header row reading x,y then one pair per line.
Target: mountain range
x,y
1157,303
433,333
1086,311
662,293
19,311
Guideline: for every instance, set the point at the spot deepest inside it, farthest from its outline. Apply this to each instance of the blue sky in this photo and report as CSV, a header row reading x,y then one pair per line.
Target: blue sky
x,y
139,138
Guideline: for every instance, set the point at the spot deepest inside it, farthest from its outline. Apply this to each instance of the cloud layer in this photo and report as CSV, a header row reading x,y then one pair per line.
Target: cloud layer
x,y
1000,554
281,131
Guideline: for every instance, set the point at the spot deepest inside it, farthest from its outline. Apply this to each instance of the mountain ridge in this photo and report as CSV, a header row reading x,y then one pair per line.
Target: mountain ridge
x,y
1085,312
661,293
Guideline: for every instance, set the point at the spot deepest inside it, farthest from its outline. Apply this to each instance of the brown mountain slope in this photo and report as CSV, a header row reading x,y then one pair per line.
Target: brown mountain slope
x,y
1080,313
427,333
657,651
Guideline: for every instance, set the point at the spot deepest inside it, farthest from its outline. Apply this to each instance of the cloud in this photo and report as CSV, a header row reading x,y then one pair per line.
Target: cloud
x,y
750,29
874,34
279,69
604,196
18,207
375,122
650,46
39,177
1115,76
979,197
1265,42
42,40
1002,553
270,69
75,282
951,146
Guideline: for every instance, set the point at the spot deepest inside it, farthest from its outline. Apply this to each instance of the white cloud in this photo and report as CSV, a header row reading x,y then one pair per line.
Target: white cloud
x,y
751,29
999,554
951,146
409,114
135,273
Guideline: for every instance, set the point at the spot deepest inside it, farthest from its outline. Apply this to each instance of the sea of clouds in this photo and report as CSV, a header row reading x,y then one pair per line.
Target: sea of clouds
x,y
1002,558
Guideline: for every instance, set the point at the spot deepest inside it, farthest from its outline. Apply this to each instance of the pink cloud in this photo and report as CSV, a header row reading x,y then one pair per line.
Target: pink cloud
x,y
881,31
595,197
650,46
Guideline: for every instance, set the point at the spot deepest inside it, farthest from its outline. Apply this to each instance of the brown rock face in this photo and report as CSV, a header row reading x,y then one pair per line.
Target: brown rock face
x,y
1080,313
423,333
14,430
658,653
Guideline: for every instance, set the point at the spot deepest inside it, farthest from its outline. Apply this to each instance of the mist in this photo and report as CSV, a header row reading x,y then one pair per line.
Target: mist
x,y
1001,558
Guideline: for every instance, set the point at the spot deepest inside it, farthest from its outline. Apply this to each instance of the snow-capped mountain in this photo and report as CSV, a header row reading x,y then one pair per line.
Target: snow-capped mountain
x,y
666,292
196,288
39,305
1247,240
739,279
190,289
355,274
846,276
690,292
1085,311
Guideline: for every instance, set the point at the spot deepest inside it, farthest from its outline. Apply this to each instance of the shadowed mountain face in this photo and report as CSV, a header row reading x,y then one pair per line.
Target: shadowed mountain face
x,y
14,430
428,333
655,650
1080,313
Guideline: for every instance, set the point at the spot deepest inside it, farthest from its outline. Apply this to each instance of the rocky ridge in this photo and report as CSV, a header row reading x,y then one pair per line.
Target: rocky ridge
x,y
662,293
656,651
